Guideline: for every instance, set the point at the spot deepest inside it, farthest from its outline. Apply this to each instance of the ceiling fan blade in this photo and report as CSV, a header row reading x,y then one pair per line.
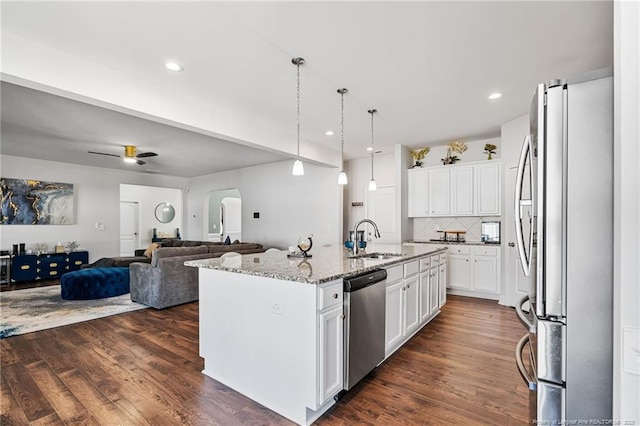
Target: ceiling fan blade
x,y
146,154
104,153
140,162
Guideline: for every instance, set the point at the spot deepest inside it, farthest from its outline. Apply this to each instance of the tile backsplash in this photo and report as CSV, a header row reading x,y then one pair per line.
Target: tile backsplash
x,y
424,227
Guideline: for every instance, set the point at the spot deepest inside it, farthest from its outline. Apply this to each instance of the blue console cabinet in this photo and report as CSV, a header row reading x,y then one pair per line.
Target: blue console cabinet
x,y
31,267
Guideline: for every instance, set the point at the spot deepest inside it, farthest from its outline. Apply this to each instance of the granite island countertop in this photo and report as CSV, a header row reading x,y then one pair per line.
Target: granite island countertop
x,y
326,264
447,243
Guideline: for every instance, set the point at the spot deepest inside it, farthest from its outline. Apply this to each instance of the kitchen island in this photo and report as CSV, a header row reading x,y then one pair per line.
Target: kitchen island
x,y
271,327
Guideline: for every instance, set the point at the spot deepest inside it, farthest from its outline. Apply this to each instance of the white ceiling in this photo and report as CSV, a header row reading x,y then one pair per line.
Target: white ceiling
x,y
427,67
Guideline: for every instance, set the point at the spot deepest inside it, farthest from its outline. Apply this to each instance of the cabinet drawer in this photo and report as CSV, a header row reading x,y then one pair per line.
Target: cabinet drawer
x,y
442,257
459,249
394,273
426,263
485,251
330,296
411,268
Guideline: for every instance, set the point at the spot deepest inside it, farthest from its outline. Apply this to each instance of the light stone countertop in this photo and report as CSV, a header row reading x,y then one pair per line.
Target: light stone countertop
x,y
326,264
447,243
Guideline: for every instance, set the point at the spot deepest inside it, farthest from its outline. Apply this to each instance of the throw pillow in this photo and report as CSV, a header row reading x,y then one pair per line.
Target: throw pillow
x,y
236,242
150,249
227,242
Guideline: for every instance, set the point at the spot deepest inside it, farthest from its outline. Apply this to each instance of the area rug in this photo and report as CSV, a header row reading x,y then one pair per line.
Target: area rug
x,y
40,308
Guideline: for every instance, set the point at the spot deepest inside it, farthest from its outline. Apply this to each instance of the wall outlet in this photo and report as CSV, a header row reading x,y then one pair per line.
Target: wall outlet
x,y
276,308
436,227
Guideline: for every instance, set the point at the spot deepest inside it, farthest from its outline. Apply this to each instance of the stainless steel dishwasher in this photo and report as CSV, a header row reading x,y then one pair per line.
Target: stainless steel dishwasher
x,y
364,307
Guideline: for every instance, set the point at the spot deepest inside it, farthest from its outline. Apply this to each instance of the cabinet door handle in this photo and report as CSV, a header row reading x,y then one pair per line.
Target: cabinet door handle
x,y
408,285
335,295
512,244
342,316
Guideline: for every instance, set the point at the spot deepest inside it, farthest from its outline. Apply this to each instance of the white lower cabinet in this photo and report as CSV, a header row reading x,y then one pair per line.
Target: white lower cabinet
x,y
402,317
413,299
474,271
459,267
394,316
442,283
330,353
411,305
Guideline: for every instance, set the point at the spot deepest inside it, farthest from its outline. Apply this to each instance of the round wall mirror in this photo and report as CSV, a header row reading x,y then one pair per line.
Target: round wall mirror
x,y
165,212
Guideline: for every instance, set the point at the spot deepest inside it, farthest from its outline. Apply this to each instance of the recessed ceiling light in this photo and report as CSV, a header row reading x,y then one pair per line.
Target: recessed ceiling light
x,y
495,95
329,133
369,149
173,66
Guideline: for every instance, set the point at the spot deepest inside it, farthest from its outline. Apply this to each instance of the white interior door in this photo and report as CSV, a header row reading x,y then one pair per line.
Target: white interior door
x,y
129,235
231,218
381,208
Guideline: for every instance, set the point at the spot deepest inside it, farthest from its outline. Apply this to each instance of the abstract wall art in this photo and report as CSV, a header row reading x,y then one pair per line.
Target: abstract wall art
x,y
35,202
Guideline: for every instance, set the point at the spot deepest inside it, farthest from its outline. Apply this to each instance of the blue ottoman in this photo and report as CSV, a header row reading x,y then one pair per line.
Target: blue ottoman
x,y
94,283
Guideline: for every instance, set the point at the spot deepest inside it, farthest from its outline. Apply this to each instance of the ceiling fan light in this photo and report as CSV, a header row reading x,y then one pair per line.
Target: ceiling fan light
x,y
298,168
372,185
129,160
342,178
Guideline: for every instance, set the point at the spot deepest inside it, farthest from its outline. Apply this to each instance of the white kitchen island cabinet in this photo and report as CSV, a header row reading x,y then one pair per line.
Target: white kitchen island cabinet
x,y
267,339
412,299
272,328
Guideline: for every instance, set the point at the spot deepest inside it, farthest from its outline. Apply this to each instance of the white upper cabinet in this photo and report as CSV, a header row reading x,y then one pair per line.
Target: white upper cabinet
x,y
439,192
465,190
418,192
462,191
487,177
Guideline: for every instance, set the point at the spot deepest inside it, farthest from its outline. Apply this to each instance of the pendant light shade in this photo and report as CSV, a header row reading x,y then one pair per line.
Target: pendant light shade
x,y
298,168
342,176
372,182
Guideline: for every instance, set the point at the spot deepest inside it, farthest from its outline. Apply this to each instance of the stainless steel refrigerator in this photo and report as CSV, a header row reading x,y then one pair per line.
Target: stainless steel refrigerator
x,y
564,227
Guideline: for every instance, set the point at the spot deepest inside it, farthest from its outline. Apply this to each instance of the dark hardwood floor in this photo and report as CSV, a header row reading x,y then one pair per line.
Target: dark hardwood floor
x,y
143,367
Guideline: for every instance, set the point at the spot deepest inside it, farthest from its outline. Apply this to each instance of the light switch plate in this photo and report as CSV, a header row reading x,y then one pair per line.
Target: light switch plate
x,y
631,350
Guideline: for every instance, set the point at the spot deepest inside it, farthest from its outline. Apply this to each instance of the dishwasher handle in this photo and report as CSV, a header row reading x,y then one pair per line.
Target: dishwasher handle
x,y
364,280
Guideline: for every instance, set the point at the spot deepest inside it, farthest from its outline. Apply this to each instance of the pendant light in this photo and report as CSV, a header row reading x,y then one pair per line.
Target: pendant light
x,y
342,176
298,168
372,183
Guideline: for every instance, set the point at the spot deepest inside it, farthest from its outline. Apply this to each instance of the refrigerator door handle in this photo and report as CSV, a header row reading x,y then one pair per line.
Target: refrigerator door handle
x,y
525,256
523,317
528,378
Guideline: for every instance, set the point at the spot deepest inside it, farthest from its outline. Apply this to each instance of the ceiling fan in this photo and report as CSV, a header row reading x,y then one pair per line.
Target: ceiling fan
x,y
130,155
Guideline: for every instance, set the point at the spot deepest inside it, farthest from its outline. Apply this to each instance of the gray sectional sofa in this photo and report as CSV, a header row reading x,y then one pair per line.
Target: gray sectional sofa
x,y
166,281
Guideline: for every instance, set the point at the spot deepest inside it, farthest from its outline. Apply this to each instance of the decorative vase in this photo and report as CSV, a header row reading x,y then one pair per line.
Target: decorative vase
x,y
489,157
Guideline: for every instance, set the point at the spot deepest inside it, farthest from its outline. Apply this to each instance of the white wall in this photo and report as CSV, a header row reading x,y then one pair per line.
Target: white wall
x,y
290,206
148,198
97,200
626,383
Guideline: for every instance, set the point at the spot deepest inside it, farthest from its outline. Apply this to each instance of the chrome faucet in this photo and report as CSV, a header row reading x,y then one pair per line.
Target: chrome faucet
x,y
376,233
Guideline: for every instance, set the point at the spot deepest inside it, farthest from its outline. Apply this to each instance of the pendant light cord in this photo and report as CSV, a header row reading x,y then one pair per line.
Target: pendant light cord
x,y
298,105
342,92
372,111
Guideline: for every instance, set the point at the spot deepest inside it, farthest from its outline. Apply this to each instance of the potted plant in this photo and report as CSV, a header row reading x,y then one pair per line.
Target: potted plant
x,y
418,155
489,149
